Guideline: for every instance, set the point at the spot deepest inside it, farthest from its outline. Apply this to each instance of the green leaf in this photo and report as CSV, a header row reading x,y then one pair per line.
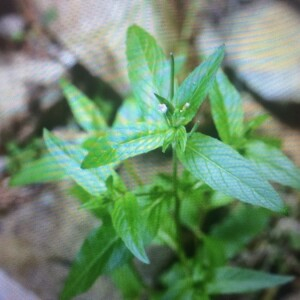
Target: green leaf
x,y
167,233
129,113
101,252
256,122
125,142
273,164
128,282
69,157
100,153
153,215
99,210
181,290
225,170
173,274
126,217
181,138
208,258
227,110
148,71
242,225
219,199
44,169
231,280
196,86
86,113
168,139
191,207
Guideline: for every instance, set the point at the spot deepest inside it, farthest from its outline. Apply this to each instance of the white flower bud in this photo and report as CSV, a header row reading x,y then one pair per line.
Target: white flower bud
x,y
186,105
162,108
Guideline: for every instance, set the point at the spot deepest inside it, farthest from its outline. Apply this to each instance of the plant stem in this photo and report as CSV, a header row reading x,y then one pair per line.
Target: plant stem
x,y
172,76
175,191
181,254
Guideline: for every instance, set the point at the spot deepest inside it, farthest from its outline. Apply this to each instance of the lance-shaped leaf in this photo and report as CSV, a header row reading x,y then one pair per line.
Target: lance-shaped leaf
x,y
273,164
227,110
128,113
148,71
225,170
231,280
69,157
86,113
195,87
101,252
44,169
125,142
256,122
127,221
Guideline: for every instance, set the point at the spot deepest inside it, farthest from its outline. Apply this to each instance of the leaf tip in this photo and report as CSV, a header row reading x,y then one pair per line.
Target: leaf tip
x,y
46,133
144,259
85,163
133,28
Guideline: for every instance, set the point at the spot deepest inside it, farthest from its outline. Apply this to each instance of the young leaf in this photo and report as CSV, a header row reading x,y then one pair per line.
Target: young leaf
x,y
69,157
256,122
227,110
125,142
44,169
181,138
127,221
225,170
196,86
148,71
231,280
101,252
86,113
273,164
168,139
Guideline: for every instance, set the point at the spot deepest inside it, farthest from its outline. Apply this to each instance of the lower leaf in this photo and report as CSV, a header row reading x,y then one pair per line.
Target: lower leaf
x,y
231,280
100,253
44,169
69,157
128,224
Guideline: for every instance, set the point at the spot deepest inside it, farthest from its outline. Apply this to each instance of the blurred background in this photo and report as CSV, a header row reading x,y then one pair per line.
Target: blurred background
x,y
41,41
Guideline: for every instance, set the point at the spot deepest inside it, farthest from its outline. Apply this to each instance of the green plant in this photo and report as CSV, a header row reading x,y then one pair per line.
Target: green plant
x,y
214,174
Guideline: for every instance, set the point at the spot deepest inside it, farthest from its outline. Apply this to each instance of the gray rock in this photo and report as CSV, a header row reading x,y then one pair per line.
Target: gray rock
x,y
11,26
40,238
10,289
262,46
22,82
